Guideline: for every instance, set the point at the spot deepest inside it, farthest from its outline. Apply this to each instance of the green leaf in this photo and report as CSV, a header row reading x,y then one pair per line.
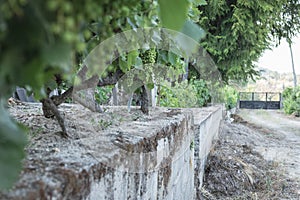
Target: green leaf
x,y
172,58
156,37
123,65
163,57
199,2
12,143
138,63
131,23
193,30
150,86
139,20
131,57
57,54
173,13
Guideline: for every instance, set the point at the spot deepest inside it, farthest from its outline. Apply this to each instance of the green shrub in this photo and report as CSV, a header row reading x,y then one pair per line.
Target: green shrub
x,y
180,95
202,92
230,97
287,92
102,94
185,94
167,97
291,100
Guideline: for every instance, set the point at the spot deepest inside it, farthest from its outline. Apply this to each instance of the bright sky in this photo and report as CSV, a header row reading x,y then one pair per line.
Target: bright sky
x,y
279,59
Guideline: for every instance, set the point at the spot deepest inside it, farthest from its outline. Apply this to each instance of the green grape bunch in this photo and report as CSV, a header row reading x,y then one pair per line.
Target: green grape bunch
x,y
149,56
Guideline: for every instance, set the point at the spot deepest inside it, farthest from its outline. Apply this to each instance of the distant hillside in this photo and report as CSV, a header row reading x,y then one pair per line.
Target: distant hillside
x,y
270,81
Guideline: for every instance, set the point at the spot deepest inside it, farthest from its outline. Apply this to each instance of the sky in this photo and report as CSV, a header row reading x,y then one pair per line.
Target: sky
x,y
279,58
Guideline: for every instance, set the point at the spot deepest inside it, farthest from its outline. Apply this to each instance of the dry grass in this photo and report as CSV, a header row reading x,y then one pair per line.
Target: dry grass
x,y
235,171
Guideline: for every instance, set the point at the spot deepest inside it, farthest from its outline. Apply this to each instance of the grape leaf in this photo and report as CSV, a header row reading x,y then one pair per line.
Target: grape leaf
x,y
57,54
193,30
123,65
173,13
172,58
199,2
150,86
138,63
163,57
131,57
12,143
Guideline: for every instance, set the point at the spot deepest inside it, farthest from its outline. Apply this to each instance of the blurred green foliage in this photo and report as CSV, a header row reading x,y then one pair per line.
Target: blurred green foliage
x,y
12,143
291,101
184,94
230,97
238,32
103,94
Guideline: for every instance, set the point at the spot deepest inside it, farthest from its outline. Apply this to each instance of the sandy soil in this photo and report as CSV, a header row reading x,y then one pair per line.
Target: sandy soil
x,y
256,157
283,133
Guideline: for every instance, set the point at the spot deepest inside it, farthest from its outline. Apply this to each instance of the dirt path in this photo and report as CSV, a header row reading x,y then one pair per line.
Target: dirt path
x,y
257,156
282,143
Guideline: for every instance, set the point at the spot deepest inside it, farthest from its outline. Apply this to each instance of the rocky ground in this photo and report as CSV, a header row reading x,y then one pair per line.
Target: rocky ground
x,y
256,157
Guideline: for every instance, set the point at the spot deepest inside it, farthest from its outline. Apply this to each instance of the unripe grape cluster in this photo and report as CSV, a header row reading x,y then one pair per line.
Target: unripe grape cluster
x,y
149,59
149,56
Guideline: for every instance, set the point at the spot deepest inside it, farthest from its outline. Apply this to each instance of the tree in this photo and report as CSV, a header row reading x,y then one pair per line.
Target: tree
x,y
293,66
239,31
288,26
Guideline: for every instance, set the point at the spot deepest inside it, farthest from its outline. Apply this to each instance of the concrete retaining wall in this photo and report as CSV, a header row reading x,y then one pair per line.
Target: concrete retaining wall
x,y
205,132
162,157
180,158
165,171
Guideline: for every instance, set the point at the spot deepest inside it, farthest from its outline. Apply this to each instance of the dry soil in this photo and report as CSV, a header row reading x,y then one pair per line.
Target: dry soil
x,y
256,157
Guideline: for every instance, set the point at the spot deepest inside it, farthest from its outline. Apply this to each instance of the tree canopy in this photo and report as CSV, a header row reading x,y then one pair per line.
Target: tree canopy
x,y
239,31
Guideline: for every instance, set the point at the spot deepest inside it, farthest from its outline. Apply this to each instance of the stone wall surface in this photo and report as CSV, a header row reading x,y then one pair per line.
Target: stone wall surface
x,y
205,133
161,157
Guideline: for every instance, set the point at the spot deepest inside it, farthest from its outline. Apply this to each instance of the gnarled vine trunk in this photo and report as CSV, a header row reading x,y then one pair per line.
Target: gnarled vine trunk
x,y
144,100
50,104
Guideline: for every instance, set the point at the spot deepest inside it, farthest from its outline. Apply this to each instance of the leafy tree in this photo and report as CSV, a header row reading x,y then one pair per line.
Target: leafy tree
x,y
239,31
287,27
288,24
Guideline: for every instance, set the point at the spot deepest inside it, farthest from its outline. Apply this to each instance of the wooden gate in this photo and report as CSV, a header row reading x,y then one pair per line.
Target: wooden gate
x,y
260,100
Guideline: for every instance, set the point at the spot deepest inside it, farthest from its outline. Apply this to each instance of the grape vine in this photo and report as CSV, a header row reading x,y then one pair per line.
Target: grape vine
x,y
39,39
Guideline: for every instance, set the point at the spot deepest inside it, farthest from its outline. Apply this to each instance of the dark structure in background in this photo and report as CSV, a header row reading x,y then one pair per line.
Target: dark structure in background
x,y
21,94
260,100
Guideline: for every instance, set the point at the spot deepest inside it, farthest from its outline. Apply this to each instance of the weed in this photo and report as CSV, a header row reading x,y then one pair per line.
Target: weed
x,y
104,124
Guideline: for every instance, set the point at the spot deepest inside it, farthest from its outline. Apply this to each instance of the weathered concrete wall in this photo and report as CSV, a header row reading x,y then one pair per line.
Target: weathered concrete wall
x,y
164,170
160,157
206,130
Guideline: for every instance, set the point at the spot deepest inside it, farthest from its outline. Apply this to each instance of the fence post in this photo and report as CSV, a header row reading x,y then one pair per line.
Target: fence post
x,y
238,101
280,101
266,106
